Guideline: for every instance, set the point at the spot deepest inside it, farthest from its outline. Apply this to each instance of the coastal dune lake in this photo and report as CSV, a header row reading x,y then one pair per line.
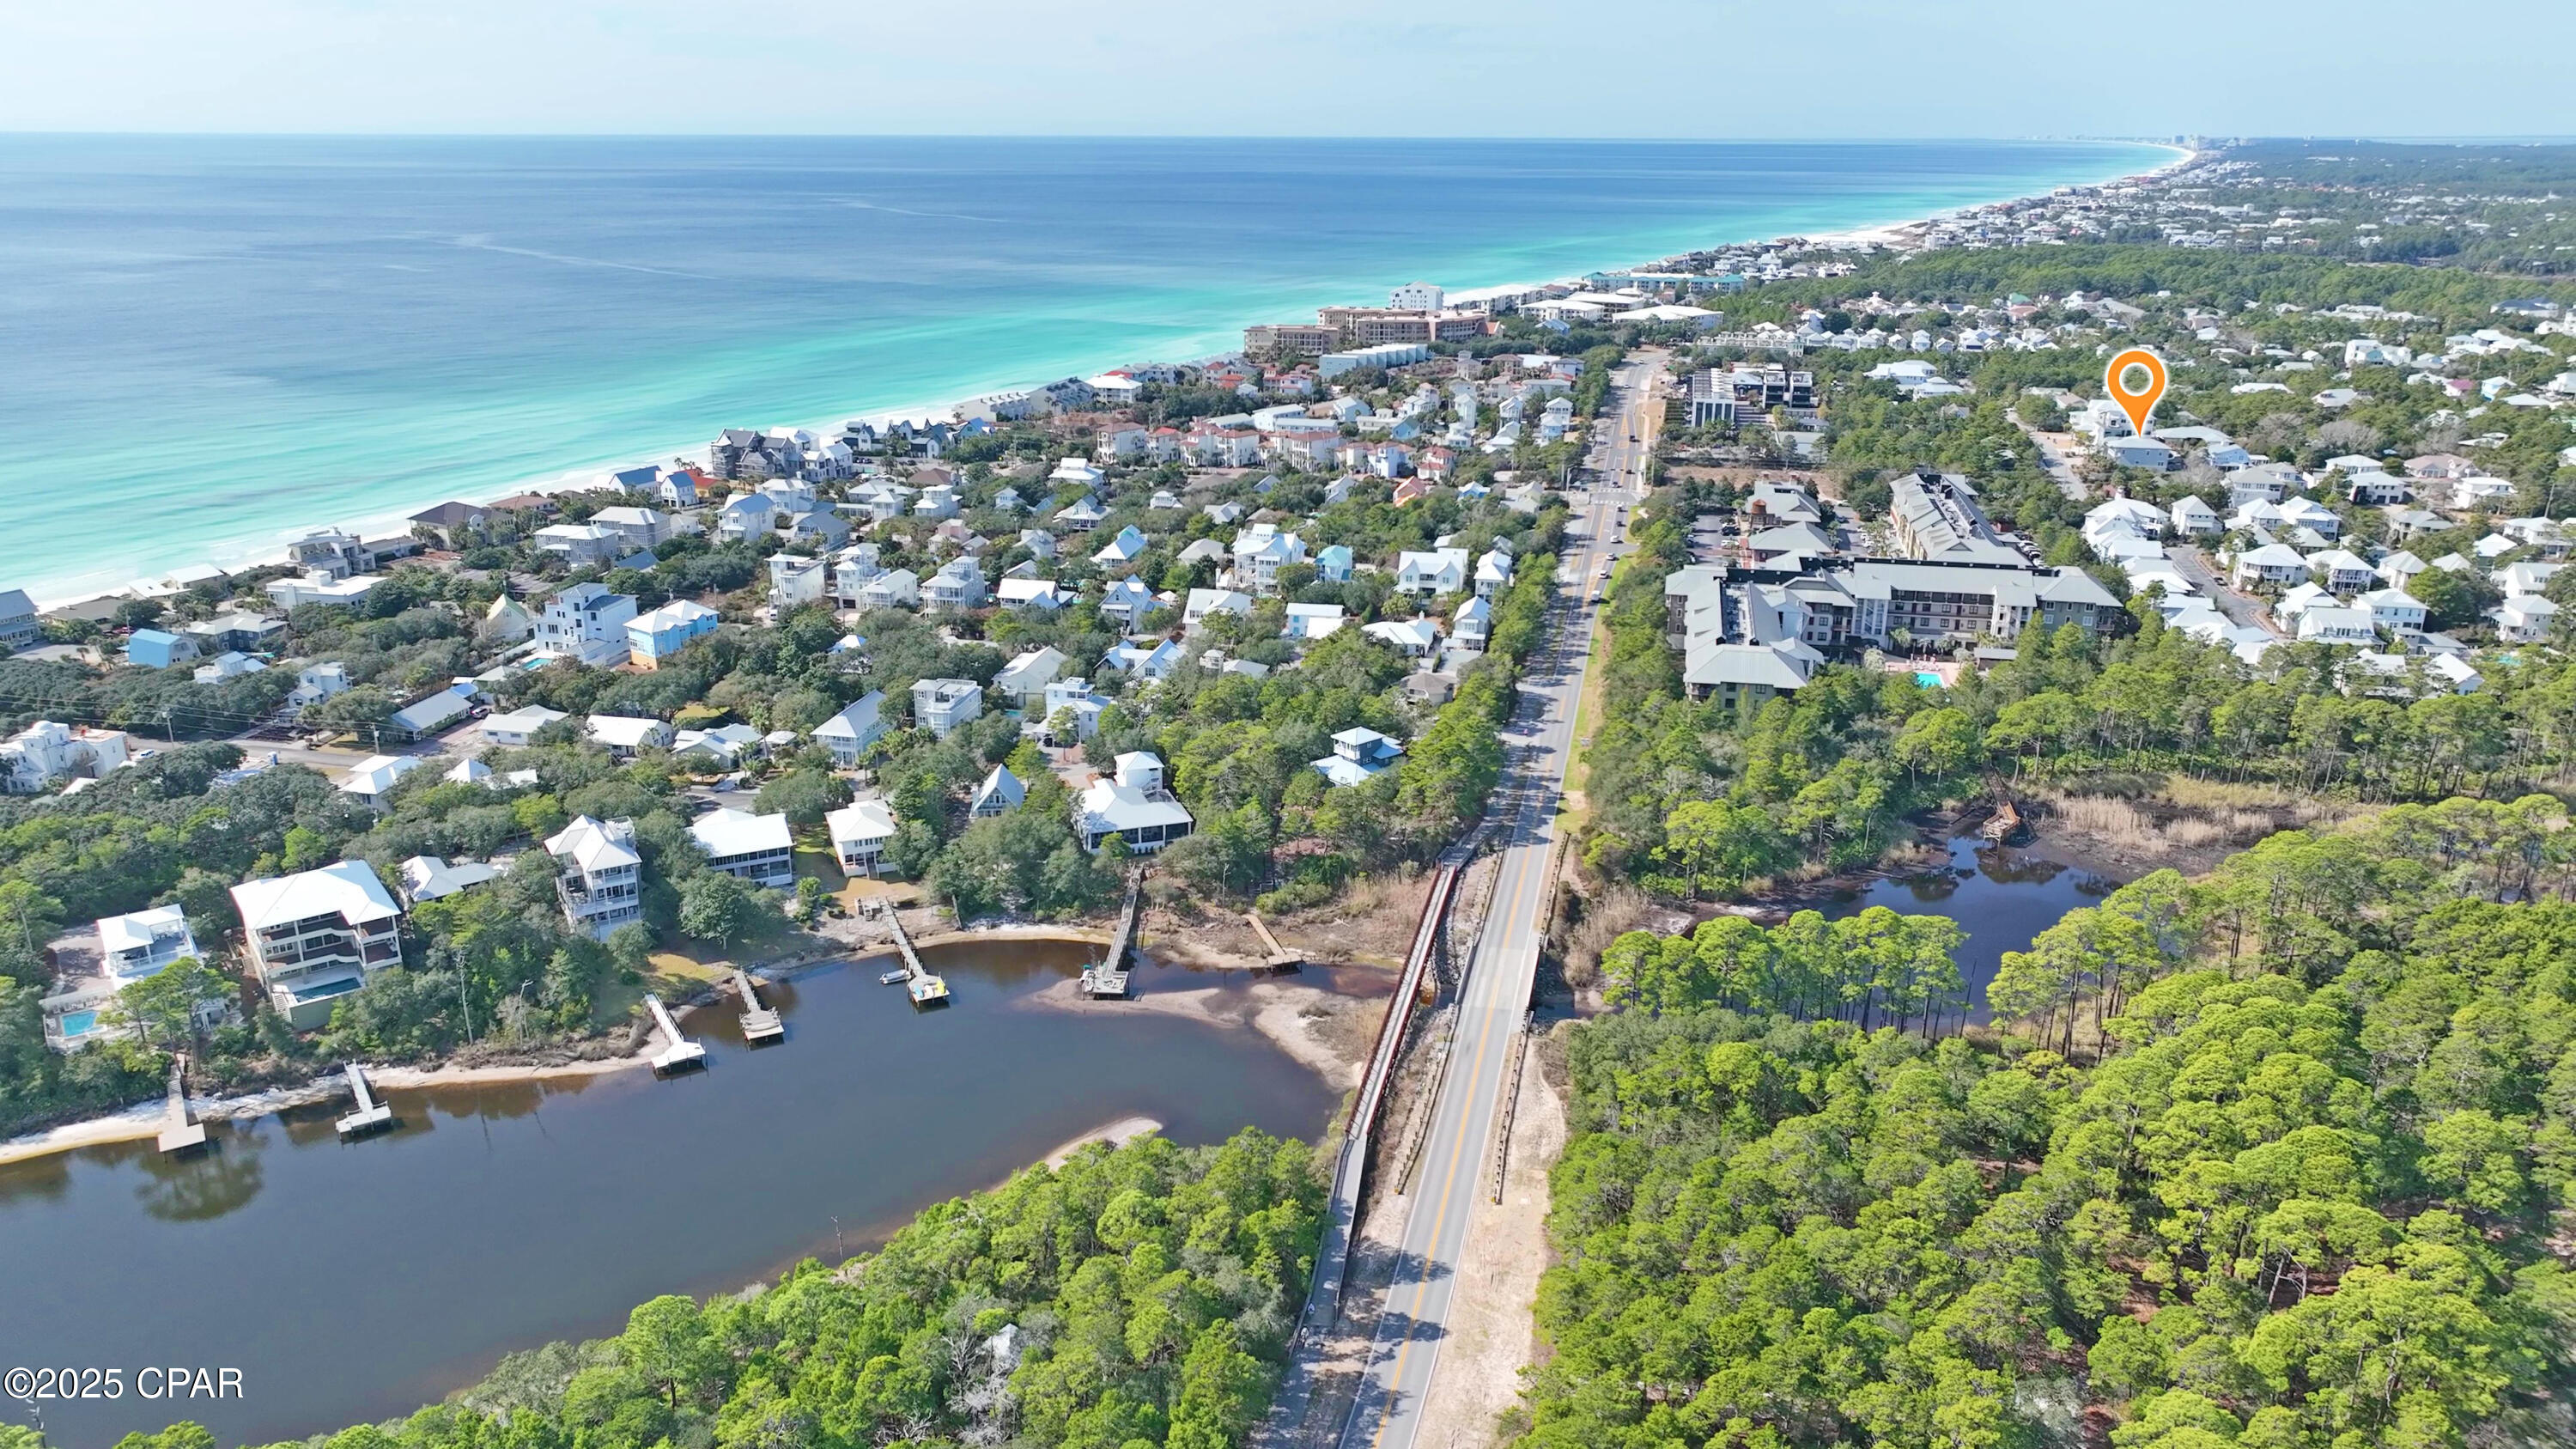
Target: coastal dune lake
x,y
283,333
355,1281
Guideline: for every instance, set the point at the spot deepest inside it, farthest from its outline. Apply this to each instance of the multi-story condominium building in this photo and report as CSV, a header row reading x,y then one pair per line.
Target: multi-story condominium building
x,y
316,937
1303,338
599,877
755,848
1936,517
585,622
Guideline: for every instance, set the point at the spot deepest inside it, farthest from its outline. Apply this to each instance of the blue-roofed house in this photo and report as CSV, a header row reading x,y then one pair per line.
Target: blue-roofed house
x,y
1333,563
159,648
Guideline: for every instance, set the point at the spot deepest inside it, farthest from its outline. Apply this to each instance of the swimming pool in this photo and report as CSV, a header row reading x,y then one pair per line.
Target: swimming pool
x,y
79,1023
1927,679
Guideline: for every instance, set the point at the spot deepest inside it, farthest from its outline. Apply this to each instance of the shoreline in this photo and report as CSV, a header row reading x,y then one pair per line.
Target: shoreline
x,y
247,554
1275,1017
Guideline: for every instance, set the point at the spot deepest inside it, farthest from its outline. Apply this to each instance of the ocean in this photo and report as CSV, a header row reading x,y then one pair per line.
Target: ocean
x,y
209,344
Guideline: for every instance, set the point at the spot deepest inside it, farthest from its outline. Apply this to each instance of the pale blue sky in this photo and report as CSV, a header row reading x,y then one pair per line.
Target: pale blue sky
x,y
1681,68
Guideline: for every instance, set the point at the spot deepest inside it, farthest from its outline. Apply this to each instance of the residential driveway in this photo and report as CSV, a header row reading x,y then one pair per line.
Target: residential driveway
x,y
2192,564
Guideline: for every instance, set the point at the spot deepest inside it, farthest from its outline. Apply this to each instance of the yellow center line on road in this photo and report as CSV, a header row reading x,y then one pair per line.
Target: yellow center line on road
x,y
1525,880
1440,1212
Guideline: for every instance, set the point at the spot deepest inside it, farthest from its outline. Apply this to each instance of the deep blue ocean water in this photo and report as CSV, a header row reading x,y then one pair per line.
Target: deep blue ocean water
x,y
209,343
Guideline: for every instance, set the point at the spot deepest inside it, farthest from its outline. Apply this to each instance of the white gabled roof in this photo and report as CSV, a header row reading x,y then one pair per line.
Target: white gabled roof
x,y
1000,785
861,820
376,774
527,719
346,888
626,731
595,846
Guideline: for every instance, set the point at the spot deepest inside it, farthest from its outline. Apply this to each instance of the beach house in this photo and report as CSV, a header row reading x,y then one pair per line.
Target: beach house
x,y
516,729
1026,678
1359,755
622,735
859,833
654,637
315,937
848,734
1132,805
159,649
754,848
587,623
18,624
599,875
941,705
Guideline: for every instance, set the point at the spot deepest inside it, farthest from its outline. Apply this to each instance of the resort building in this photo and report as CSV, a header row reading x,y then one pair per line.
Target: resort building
x,y
318,936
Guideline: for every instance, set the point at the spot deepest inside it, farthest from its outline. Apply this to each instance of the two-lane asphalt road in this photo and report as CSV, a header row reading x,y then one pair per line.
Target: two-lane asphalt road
x,y
1458,1157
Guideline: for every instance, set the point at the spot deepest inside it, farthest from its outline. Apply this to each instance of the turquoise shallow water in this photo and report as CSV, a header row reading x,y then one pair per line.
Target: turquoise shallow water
x,y
211,342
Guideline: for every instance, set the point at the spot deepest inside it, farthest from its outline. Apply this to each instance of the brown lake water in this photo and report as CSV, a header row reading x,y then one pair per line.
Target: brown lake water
x,y
352,1282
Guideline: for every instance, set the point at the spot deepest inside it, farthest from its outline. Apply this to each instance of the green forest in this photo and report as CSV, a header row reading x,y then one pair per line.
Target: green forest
x,y
2271,1159
1135,1297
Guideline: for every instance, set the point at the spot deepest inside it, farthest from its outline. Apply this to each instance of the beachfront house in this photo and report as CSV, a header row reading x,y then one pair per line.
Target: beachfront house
x,y
18,625
315,937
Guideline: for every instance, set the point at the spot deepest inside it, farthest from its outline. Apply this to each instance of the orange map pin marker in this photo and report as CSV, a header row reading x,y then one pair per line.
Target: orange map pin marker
x,y
2138,403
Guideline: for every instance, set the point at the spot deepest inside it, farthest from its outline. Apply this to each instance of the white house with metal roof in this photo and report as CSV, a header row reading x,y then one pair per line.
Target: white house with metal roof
x,y
317,936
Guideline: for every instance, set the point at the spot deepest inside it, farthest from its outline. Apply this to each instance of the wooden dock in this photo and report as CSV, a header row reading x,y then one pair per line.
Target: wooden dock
x,y
372,1115
759,1024
178,1132
678,1054
925,988
1108,980
1280,957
